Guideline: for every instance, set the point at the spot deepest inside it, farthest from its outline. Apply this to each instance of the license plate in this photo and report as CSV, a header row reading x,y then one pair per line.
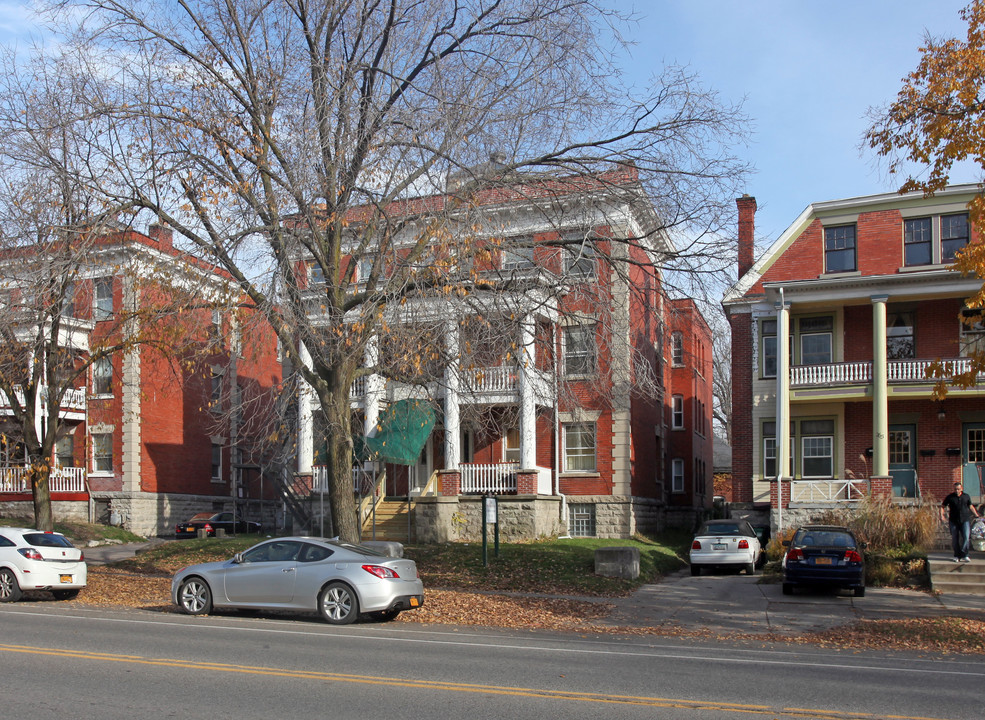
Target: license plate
x,y
65,578
823,561
719,546
414,602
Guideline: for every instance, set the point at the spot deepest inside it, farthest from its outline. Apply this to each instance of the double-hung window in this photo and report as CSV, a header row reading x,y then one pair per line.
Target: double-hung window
x,y
579,447
517,256
817,448
768,333
900,344
839,249
102,376
954,235
103,299
579,260
102,452
769,450
815,340
677,412
677,475
918,241
677,348
579,350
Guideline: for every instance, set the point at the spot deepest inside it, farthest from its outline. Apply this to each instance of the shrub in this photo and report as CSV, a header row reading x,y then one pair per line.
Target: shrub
x,y
888,528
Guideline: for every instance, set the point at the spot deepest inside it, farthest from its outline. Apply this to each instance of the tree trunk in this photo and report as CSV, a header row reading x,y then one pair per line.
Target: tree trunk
x,y
338,444
40,475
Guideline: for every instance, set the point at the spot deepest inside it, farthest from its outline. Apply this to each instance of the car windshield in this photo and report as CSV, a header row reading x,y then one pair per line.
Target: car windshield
x,y
47,540
823,538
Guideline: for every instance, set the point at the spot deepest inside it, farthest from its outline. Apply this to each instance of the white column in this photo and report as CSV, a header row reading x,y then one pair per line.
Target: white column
x,y
528,411
453,429
782,400
306,421
880,389
374,389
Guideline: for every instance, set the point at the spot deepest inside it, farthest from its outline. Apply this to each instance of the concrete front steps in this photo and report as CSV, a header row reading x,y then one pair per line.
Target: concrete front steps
x,y
949,577
391,522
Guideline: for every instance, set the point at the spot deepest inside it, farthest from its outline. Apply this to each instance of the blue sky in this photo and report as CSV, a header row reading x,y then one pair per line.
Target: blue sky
x,y
808,71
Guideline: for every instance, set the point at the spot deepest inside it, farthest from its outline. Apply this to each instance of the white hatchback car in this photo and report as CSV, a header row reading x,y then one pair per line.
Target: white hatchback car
x,y
39,560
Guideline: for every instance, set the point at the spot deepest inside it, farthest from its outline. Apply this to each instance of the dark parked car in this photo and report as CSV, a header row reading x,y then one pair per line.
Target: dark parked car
x,y
215,521
824,556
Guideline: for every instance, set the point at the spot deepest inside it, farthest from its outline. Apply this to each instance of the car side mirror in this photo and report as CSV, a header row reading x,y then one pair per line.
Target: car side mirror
x,y
238,558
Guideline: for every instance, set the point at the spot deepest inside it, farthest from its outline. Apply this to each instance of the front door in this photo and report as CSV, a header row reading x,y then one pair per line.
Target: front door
x,y
973,459
421,472
902,460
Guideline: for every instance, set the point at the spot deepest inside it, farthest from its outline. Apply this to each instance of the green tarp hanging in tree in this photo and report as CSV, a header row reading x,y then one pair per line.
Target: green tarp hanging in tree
x,y
404,427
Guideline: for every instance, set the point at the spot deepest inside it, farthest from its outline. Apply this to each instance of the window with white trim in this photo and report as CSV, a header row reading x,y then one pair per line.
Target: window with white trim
x,y
677,475
102,376
579,447
517,256
677,348
65,451
102,308
511,446
102,452
677,412
579,260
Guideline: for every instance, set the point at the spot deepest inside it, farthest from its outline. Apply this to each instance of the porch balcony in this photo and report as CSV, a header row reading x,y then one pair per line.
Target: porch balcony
x,y
833,490
860,373
72,407
499,385
14,480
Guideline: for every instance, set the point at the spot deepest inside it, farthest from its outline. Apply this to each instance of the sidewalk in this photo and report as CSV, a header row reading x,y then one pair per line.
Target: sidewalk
x,y
104,554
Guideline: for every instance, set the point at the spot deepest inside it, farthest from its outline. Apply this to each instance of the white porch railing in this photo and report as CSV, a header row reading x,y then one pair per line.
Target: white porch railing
x,y
494,478
861,372
829,491
62,480
358,388
491,379
362,480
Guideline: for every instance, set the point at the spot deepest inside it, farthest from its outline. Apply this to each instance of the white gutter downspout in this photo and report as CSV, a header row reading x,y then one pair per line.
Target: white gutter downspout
x,y
557,439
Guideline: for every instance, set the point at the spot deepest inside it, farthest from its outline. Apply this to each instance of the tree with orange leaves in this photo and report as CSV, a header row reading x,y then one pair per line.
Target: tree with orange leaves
x,y
937,121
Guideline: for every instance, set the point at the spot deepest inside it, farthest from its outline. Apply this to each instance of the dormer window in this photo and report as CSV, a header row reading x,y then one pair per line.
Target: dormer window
x,y
934,240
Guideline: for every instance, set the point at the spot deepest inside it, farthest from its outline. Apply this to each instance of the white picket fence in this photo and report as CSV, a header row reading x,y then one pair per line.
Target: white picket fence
x,y
62,480
494,478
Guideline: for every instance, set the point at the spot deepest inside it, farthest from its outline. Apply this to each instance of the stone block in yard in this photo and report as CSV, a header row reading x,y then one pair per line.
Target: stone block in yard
x,y
620,562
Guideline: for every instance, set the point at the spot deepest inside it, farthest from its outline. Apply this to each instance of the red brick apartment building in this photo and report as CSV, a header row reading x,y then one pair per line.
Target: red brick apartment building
x,y
158,433
567,416
833,330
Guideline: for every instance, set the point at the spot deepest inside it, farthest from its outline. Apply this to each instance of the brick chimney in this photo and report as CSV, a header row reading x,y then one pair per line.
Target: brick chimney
x,y
747,232
162,234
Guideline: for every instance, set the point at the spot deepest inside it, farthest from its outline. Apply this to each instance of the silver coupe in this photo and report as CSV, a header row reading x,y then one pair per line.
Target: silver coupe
x,y
338,580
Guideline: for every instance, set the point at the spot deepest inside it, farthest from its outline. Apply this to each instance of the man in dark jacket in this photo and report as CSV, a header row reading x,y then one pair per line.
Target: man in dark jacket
x,y
959,511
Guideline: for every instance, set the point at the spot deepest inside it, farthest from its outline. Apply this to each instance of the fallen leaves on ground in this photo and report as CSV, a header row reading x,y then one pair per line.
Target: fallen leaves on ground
x,y
113,587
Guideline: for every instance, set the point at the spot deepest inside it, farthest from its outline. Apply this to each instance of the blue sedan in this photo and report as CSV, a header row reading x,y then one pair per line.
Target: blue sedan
x,y
824,556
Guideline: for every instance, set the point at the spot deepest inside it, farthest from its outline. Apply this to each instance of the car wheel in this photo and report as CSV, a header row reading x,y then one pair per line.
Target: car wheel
x,y
10,591
65,594
695,570
860,592
195,597
787,589
338,604
384,615
750,568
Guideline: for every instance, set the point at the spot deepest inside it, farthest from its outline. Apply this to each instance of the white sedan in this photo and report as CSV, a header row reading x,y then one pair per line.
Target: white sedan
x,y
39,560
725,543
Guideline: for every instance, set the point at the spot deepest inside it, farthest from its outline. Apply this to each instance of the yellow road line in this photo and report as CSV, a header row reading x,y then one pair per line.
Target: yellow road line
x,y
656,702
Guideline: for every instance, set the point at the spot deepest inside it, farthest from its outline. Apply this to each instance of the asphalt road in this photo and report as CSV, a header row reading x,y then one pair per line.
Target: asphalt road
x,y
79,663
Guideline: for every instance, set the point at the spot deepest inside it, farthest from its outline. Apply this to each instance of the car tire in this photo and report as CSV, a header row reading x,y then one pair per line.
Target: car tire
x,y
195,596
65,594
860,592
750,568
10,591
338,604
384,615
695,570
787,589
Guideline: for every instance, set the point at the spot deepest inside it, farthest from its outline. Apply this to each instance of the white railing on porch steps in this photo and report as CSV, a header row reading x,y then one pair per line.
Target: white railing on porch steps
x,y
62,480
